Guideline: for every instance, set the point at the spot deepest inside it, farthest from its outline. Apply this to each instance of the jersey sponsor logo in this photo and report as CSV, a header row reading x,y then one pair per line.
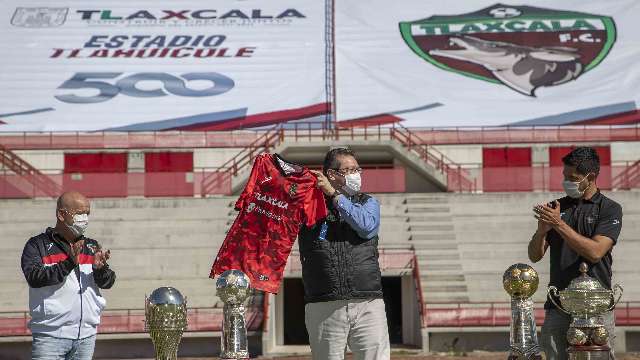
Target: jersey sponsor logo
x,y
615,222
269,178
253,207
521,47
49,246
269,200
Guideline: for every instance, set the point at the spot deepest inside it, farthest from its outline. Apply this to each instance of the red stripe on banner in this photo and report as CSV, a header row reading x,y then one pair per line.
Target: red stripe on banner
x,y
381,119
85,259
54,259
263,119
630,117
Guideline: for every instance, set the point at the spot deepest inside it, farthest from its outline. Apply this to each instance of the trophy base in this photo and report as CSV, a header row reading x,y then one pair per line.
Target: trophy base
x,y
522,357
589,353
241,355
531,353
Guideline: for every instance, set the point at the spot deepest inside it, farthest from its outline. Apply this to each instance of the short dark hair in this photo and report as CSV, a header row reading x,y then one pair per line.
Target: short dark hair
x,y
585,159
331,159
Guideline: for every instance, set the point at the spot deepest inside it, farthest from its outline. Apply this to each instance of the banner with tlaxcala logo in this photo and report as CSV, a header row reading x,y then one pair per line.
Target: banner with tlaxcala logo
x,y
483,63
161,65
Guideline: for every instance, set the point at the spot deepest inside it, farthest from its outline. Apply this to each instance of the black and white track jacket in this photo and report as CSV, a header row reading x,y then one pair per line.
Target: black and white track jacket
x,y
64,298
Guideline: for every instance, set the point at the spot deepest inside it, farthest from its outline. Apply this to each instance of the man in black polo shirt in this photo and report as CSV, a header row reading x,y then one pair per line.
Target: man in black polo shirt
x,y
580,227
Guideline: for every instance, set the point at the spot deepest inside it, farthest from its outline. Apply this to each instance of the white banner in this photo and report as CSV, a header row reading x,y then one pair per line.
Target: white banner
x,y
478,63
156,65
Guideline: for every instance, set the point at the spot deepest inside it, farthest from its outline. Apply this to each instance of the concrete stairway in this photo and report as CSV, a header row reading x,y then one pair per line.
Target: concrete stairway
x,y
433,237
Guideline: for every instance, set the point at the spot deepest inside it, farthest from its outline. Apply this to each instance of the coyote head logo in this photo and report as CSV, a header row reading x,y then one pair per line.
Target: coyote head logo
x,y
522,68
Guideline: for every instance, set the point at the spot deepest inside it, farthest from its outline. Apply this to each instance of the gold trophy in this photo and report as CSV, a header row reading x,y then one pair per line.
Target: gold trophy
x,y
520,281
585,299
165,314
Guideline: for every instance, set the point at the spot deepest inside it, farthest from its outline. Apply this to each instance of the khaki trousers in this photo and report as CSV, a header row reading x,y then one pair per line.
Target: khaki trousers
x,y
359,323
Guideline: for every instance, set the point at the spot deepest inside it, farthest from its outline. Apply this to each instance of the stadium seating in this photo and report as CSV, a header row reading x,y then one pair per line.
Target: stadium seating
x,y
463,243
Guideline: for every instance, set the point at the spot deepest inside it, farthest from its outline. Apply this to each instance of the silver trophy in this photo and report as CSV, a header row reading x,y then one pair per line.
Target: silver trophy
x,y
165,312
233,288
585,300
520,281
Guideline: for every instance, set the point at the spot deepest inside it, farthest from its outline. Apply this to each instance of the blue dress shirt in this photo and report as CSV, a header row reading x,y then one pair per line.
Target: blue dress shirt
x,y
363,218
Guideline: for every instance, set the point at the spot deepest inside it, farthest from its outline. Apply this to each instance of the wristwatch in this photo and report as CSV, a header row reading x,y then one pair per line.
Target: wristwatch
x,y
333,196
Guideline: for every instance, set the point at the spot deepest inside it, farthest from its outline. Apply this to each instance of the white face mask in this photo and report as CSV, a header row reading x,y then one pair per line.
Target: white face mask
x,y
352,184
572,189
80,224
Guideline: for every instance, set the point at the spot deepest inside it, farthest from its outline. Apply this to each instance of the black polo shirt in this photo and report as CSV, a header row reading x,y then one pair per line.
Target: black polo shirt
x,y
596,216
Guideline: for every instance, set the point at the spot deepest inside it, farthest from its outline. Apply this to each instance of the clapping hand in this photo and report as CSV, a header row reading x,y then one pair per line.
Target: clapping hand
x,y
548,216
101,257
76,251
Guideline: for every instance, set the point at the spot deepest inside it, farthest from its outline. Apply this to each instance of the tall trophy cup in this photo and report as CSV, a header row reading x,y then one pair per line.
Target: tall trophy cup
x,y
165,314
585,299
520,281
233,288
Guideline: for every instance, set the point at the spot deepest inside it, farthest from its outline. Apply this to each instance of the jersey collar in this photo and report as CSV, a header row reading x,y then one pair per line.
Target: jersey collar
x,y
297,168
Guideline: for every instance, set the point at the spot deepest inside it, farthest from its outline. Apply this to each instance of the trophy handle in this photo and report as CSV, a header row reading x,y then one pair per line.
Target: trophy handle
x,y
613,294
552,290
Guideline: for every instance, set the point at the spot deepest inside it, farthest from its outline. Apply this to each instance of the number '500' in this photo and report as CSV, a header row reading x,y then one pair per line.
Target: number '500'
x,y
175,85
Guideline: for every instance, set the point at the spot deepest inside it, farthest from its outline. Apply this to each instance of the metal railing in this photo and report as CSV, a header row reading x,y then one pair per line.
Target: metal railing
x,y
419,296
487,314
28,172
132,321
306,130
629,178
122,184
491,314
243,159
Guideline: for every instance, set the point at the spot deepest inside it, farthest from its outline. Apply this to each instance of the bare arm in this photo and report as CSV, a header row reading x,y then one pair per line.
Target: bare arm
x,y
592,249
538,246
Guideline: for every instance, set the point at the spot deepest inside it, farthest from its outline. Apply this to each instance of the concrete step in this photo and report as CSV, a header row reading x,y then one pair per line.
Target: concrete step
x,y
201,242
429,246
423,209
430,276
428,286
430,227
425,268
417,218
433,236
438,298
439,256
426,200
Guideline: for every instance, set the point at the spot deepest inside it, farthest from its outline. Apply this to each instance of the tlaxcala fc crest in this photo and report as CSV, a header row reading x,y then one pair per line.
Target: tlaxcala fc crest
x,y
522,47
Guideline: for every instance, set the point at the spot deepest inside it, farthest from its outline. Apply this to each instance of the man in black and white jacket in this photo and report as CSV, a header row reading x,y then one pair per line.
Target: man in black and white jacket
x,y
65,272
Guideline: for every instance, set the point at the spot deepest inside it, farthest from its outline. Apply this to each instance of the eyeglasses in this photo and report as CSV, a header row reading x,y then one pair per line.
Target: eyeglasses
x,y
349,171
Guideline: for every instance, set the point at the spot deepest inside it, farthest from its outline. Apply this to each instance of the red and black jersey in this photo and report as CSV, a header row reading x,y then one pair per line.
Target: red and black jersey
x,y
279,197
